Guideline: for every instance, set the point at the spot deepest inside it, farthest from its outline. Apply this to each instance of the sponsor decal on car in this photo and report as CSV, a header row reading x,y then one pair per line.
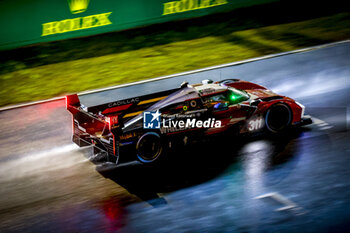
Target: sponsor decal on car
x,y
127,136
122,102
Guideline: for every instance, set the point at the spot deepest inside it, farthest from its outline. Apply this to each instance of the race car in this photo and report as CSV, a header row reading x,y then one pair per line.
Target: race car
x,y
144,127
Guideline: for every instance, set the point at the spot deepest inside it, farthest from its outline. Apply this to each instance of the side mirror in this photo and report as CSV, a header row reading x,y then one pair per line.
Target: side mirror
x,y
184,84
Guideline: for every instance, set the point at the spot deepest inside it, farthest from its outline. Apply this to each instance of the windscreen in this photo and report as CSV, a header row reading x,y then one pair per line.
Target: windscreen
x,y
236,96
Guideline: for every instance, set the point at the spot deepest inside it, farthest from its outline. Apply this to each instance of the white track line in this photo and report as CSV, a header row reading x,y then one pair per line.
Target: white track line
x,y
183,73
288,204
321,124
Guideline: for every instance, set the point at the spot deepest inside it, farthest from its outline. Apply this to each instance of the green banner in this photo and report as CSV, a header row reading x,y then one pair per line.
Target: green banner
x,y
25,22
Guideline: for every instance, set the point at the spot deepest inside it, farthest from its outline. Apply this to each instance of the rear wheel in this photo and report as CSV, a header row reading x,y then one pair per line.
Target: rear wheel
x,y
149,147
278,118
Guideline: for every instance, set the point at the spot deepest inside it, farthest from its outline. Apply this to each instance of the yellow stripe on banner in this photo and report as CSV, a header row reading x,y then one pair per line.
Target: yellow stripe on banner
x,y
132,114
151,100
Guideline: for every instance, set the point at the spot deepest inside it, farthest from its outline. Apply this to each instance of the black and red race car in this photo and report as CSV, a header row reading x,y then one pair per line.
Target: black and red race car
x,y
144,127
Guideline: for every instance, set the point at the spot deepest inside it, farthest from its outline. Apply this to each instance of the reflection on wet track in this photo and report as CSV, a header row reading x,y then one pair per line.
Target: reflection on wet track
x,y
290,183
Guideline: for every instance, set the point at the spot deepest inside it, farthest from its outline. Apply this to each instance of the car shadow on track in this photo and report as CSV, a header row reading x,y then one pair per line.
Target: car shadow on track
x,y
193,164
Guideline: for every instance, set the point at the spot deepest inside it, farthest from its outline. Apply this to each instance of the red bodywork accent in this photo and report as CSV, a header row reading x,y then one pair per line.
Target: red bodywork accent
x,y
213,93
262,92
244,85
116,109
114,145
72,100
295,108
112,120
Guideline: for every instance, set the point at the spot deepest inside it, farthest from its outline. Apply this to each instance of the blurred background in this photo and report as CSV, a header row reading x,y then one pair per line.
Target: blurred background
x,y
295,183
51,48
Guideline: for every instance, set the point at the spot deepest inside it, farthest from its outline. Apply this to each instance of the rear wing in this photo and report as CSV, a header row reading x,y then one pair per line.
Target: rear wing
x,y
103,121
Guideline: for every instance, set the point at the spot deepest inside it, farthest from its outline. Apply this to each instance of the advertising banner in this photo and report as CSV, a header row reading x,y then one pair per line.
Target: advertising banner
x,y
26,22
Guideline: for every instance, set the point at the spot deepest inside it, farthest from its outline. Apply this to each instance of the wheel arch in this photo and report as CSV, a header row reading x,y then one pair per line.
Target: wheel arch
x,y
270,106
138,146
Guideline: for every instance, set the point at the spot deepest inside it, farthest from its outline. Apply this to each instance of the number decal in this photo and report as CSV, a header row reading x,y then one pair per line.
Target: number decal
x,y
256,124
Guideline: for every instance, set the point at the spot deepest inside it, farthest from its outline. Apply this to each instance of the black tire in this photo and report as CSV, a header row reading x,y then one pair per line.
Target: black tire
x,y
278,118
149,147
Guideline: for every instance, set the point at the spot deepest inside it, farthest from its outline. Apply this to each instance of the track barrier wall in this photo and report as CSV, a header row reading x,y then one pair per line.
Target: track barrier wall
x,y
25,22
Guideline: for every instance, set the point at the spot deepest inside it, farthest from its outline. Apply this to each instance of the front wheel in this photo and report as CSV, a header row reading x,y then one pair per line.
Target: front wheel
x,y
278,118
149,147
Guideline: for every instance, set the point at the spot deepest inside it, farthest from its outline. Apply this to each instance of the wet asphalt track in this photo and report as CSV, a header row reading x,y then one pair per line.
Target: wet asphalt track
x,y
294,183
